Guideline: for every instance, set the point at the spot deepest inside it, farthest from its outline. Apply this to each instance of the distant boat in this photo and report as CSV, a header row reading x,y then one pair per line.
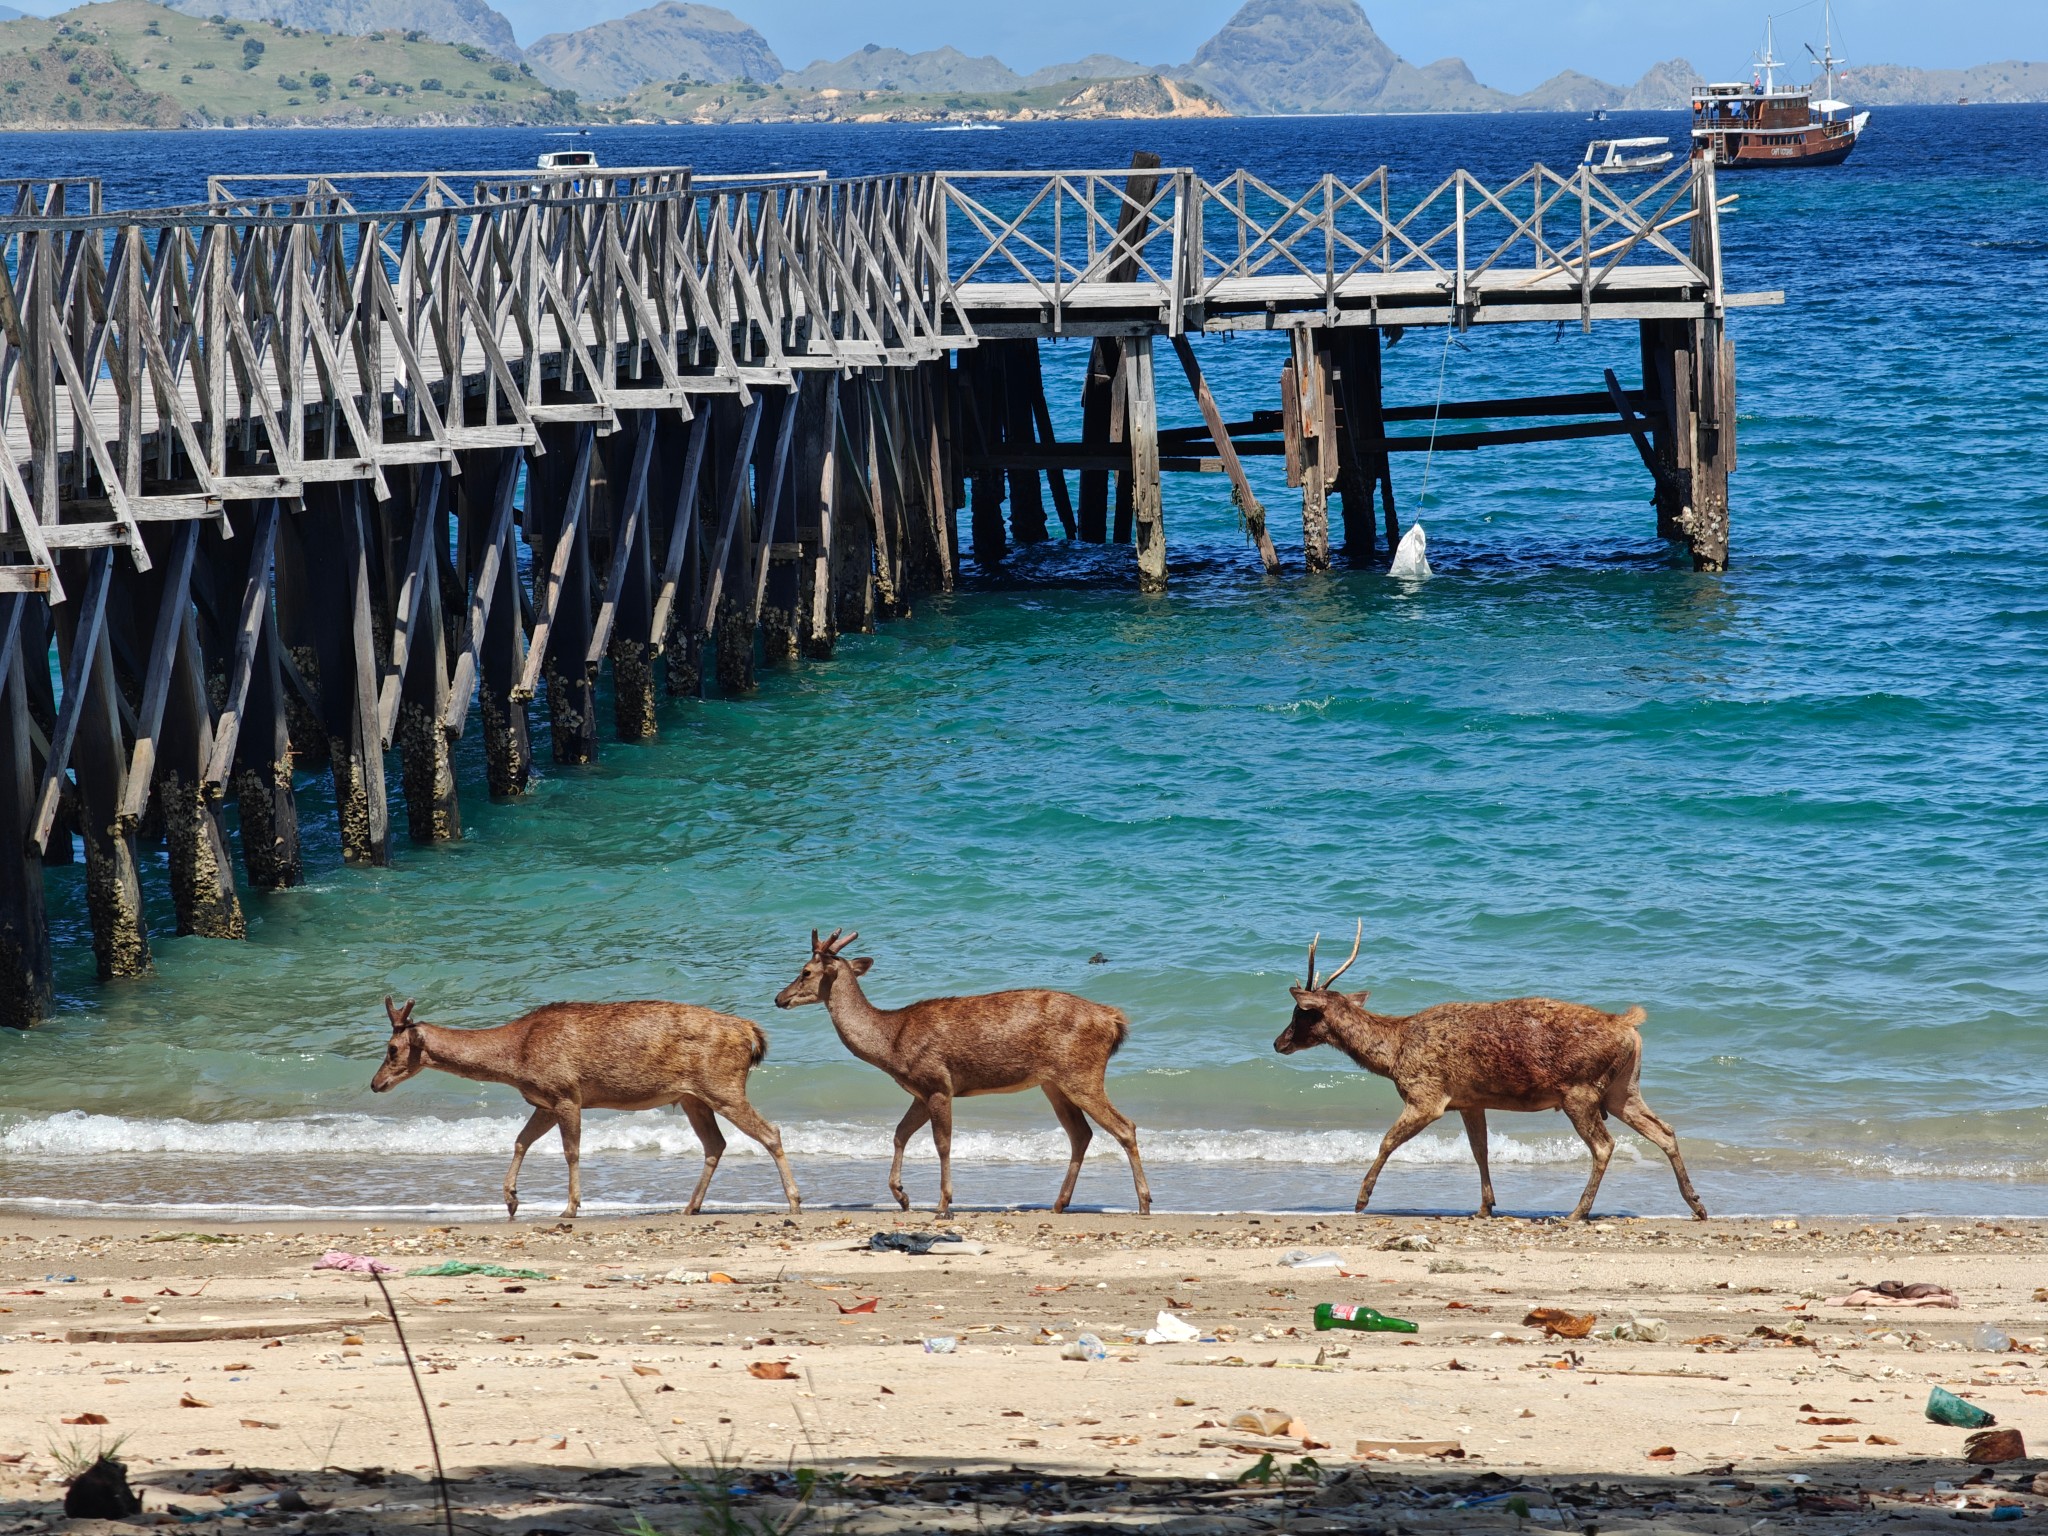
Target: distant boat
x,y
967,128
1757,125
1597,115
1611,157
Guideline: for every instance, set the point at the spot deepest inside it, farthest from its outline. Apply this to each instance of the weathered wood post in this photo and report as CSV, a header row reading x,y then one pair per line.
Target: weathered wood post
x,y
113,884
26,985
1705,526
1311,409
728,614
338,554
1015,365
426,759
816,475
1361,415
1147,504
626,612
566,611
853,529
1102,392
266,806
972,382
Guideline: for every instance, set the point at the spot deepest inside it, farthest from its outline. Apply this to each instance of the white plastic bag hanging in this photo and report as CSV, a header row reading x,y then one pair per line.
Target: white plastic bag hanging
x,y
1412,557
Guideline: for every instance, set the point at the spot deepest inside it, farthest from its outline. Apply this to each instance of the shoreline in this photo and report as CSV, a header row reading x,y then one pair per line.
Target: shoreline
x,y
632,1373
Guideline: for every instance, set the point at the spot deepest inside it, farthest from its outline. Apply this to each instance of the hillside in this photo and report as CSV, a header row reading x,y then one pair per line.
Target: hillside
x,y
174,68
447,21
1097,66
748,101
1899,85
670,41
1664,87
875,68
1278,56
1568,91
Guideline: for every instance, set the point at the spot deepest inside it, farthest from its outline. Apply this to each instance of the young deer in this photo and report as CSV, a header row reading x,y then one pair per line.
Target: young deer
x,y
565,1058
1527,1054
949,1048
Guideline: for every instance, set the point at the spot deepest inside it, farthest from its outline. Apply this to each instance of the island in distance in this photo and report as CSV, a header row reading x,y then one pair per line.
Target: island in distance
x,y
132,63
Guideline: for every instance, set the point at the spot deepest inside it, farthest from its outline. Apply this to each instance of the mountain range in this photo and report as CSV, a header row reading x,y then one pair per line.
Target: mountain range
x,y
1272,57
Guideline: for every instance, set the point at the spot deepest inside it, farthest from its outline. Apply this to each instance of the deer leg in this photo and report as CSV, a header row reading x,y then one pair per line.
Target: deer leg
x,y
1475,1132
912,1122
1589,1119
705,1124
538,1124
1411,1122
940,1106
750,1122
1079,1134
1105,1114
571,1116
1636,1115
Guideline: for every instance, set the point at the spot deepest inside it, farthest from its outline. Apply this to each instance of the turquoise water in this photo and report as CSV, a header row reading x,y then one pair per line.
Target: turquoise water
x,y
1794,811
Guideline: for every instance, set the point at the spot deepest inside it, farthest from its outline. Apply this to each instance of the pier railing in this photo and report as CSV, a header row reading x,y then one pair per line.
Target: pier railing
x,y
157,364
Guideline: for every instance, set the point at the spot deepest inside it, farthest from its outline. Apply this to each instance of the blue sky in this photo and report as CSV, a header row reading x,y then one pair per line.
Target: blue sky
x,y
1509,43
1512,44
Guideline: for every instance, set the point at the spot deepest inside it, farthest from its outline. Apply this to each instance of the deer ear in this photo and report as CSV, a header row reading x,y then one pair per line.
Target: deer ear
x,y
861,966
1361,995
1303,998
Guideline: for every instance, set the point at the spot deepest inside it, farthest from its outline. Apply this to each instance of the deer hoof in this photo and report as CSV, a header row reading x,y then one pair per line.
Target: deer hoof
x,y
901,1198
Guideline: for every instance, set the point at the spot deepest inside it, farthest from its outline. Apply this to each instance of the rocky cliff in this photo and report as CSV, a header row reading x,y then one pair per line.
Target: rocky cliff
x,y
670,41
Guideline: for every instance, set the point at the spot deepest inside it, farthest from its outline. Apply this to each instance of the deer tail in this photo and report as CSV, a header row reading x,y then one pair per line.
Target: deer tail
x,y
760,1043
1123,1030
1633,1019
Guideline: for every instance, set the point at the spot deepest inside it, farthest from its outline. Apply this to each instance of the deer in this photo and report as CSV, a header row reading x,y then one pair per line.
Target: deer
x,y
1525,1054
565,1058
960,1047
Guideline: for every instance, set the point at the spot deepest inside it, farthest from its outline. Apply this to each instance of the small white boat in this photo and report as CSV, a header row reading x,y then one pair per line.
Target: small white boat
x,y
967,128
1619,157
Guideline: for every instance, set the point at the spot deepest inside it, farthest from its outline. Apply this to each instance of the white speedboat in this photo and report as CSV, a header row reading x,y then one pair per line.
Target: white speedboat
x,y
1621,157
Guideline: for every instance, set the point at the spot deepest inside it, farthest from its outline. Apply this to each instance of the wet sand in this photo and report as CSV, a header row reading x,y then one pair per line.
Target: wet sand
x,y
624,1384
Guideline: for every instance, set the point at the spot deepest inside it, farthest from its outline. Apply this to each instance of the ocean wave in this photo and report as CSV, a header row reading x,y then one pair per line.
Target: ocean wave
x,y
77,1134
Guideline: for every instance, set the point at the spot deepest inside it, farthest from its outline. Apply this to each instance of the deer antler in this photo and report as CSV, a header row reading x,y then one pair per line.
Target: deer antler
x,y
401,1018
1356,940
1312,943
836,945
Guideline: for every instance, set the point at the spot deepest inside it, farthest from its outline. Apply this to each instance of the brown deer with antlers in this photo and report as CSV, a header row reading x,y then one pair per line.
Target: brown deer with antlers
x,y
565,1058
1530,1053
949,1048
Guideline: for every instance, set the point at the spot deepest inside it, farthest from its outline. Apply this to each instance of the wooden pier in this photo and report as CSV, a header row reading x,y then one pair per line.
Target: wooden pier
x,y
269,460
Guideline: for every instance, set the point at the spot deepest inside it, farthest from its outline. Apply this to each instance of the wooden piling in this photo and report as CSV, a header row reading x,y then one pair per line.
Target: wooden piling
x,y
336,532
425,747
815,477
1148,505
1015,374
990,541
1316,442
26,986
266,806
1098,435
1362,429
113,884
1249,508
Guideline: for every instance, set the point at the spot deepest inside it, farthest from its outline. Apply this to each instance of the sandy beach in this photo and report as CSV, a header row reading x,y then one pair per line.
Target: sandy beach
x,y
647,1371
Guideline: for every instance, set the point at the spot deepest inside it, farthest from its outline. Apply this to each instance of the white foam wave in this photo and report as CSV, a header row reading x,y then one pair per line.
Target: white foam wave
x,y
77,1134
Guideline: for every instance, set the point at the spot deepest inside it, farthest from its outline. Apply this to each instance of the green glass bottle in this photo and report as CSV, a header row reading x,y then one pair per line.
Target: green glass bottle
x,y
1364,1319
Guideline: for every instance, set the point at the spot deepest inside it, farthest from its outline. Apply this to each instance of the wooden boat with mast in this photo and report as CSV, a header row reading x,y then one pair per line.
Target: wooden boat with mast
x,y
1758,125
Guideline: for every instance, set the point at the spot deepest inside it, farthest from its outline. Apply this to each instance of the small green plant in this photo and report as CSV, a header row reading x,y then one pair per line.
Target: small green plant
x,y
431,83
73,1457
1266,1471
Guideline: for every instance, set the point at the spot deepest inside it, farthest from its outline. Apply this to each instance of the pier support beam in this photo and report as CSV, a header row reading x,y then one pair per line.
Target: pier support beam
x,y
1361,416
113,884
338,549
1098,394
425,751
1147,503
1309,404
25,979
853,530
1689,369
201,869
563,495
816,474
265,803
629,589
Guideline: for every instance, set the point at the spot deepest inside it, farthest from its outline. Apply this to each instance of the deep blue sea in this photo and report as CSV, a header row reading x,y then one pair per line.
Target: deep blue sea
x,y
1795,811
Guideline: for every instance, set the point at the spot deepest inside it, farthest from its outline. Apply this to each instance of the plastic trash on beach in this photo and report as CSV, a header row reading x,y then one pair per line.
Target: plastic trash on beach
x,y
1411,556
1944,1407
1086,1347
943,1345
1991,1340
1301,1258
1640,1330
1169,1329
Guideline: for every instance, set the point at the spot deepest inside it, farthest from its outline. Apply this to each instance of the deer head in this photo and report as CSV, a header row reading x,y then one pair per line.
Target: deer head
x,y
1309,1026
406,1056
813,983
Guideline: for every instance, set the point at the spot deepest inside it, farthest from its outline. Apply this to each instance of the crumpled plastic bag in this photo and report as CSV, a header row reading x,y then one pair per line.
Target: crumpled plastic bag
x,y
464,1267
1411,556
1639,1330
1168,1329
1301,1258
